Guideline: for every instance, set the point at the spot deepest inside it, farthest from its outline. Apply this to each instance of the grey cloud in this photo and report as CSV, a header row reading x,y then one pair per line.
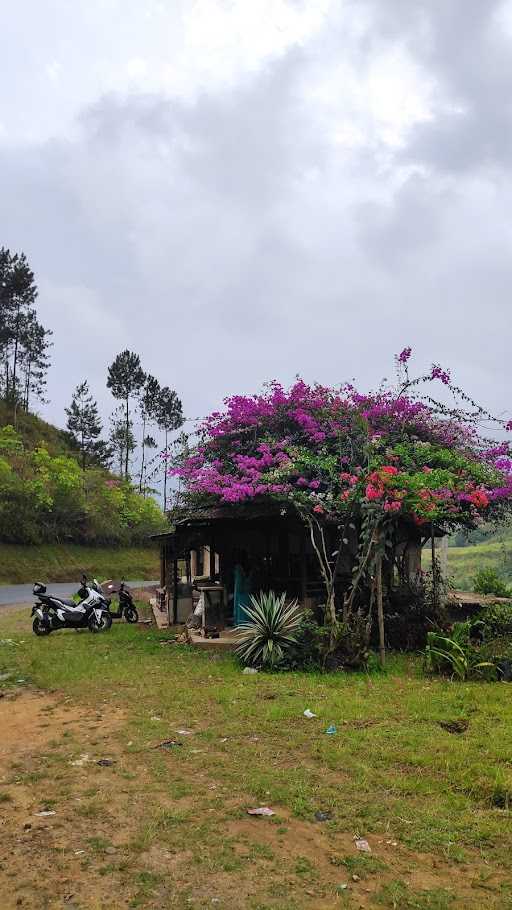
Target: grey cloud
x,y
229,239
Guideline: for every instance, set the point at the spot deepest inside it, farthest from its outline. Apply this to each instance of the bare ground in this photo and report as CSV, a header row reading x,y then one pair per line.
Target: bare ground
x,y
99,851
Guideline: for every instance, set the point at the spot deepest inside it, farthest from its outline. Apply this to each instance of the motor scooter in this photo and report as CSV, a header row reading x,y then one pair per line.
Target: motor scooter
x,y
51,612
127,608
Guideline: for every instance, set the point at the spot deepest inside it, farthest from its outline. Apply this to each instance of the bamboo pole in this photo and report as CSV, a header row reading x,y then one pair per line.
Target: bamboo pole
x,y
380,608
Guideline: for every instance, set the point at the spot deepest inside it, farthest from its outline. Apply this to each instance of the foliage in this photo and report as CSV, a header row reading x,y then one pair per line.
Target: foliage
x,y
487,581
24,342
497,620
84,423
455,654
45,497
382,465
271,631
125,380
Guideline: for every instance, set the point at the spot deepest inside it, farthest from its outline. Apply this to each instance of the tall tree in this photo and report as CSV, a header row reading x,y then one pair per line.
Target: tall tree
x,y
121,439
169,418
125,380
148,406
34,360
24,342
84,421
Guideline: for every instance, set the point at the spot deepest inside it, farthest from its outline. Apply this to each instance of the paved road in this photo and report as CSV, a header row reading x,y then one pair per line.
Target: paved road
x,y
22,594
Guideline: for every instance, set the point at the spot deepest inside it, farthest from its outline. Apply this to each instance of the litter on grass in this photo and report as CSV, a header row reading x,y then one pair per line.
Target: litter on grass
x,y
168,744
106,762
331,730
249,671
363,845
262,810
80,762
184,732
323,816
308,713
45,814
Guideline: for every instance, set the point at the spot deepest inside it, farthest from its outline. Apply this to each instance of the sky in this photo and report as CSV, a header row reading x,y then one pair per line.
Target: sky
x,y
247,190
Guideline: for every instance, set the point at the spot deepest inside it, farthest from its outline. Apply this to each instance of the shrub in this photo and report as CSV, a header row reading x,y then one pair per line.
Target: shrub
x,y
271,632
458,654
487,581
496,620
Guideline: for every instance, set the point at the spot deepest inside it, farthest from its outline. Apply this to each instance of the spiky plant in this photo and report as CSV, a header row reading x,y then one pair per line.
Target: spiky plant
x,y
270,632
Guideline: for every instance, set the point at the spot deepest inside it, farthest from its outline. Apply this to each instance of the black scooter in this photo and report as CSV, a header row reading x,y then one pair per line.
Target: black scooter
x,y
127,608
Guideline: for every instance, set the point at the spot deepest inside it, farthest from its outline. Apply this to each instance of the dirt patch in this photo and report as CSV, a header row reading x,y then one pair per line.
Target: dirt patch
x,y
142,832
49,750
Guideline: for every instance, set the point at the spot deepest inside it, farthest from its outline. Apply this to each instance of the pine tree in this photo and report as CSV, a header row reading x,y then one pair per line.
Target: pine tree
x,y
24,342
169,418
148,406
125,380
84,421
121,439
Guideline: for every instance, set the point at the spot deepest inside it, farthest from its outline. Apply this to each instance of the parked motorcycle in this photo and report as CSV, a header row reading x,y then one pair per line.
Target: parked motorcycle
x,y
127,608
51,612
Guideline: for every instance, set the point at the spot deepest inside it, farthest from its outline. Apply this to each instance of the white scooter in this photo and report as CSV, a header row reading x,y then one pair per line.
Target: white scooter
x,y
51,612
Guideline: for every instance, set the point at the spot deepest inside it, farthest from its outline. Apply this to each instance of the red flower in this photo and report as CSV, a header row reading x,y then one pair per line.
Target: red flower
x,y
318,508
389,469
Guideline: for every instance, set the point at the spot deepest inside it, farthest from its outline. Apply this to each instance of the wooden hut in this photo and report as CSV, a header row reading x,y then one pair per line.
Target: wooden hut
x,y
269,543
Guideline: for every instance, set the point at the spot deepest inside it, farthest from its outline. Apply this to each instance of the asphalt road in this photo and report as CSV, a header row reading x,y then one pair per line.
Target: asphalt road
x,y
22,594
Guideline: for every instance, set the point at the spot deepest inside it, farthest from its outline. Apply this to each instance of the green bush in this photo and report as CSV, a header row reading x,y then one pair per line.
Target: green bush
x,y
487,581
46,498
496,620
459,653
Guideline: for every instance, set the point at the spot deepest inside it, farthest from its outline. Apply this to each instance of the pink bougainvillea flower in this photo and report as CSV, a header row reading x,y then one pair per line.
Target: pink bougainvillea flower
x,y
318,509
389,469
404,355
373,492
392,506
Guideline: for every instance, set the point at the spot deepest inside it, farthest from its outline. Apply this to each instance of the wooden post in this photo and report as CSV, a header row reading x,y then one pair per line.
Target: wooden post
x,y
434,572
380,608
175,593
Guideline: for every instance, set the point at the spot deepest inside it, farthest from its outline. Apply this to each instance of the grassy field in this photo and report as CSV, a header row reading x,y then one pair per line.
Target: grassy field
x,y
168,827
66,562
464,562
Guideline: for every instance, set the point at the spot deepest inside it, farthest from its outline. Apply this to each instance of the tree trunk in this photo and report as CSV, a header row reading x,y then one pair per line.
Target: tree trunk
x,y
380,609
143,452
165,470
126,439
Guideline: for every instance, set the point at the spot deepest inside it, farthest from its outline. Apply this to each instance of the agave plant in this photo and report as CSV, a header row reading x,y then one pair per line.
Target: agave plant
x,y
271,630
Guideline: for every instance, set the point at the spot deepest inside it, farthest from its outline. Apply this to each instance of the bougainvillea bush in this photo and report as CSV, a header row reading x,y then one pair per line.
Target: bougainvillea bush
x,y
345,459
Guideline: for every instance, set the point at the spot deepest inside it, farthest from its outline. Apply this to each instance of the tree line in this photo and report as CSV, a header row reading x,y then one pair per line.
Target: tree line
x,y
156,406
24,362
24,342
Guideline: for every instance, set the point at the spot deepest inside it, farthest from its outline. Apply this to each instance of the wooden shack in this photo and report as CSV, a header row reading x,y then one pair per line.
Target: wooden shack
x,y
272,545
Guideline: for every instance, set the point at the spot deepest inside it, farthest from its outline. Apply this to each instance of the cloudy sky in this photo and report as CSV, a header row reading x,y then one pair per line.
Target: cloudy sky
x,y
242,190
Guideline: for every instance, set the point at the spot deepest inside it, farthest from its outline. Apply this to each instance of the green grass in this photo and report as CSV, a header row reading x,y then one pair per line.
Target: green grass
x,y
464,562
66,562
391,774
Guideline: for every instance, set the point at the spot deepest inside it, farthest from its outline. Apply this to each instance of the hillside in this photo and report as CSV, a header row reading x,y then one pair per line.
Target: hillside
x,y
464,562
35,432
45,497
66,562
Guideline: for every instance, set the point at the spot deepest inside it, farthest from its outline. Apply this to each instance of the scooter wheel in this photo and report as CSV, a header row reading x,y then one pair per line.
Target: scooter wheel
x,y
131,615
40,627
101,625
